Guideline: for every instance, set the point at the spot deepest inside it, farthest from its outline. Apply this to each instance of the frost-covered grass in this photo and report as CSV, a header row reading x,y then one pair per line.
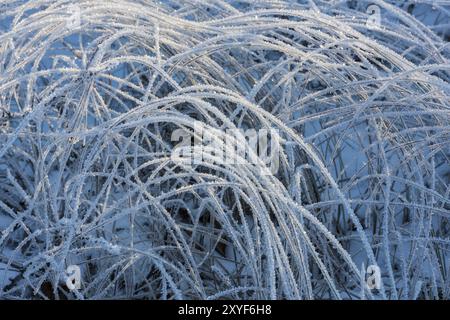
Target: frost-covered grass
x,y
88,108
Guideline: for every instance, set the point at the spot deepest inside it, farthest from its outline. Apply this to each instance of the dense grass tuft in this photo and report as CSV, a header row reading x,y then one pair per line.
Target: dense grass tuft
x,y
89,104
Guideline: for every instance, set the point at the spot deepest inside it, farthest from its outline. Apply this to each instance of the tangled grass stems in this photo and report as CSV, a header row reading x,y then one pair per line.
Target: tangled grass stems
x,y
91,94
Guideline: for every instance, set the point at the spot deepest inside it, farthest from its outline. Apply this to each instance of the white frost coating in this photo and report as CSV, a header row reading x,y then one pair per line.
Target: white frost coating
x,y
89,105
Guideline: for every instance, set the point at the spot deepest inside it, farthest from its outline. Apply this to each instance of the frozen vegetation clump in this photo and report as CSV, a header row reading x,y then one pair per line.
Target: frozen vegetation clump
x,y
92,92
